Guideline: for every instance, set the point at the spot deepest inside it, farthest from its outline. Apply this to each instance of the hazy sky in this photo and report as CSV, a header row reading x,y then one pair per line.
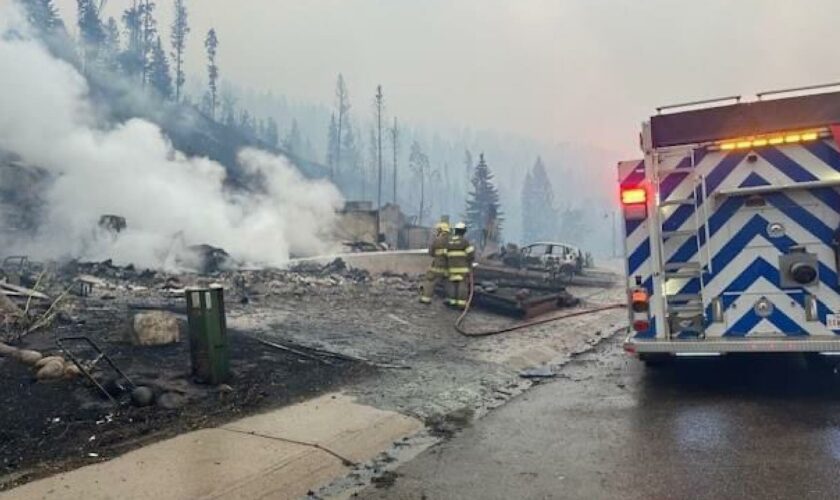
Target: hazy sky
x,y
562,70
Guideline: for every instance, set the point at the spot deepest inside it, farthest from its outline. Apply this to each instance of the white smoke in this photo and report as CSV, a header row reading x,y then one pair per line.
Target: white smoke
x,y
131,170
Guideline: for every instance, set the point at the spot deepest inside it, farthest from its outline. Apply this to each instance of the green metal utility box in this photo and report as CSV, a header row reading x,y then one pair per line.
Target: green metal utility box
x,y
209,350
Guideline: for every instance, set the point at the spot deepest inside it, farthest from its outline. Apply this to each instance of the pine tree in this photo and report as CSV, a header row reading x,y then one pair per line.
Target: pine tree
x,y
228,107
539,216
211,43
178,39
272,132
293,143
332,144
131,59
159,77
350,156
112,43
418,162
91,30
529,233
484,215
148,35
42,15
246,123
395,146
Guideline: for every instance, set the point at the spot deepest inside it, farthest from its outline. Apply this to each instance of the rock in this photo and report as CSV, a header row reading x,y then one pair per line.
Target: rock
x,y
543,371
71,371
171,400
43,361
28,357
224,388
53,370
142,396
155,328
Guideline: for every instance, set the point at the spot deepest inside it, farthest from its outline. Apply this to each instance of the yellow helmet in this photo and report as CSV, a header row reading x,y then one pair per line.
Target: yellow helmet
x,y
442,227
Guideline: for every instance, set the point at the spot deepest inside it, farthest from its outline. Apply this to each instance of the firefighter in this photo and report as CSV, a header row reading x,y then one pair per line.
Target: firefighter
x,y
437,271
459,260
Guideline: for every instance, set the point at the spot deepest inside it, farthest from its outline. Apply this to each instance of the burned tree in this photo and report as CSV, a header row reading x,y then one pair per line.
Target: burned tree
x,y
418,162
178,39
211,43
342,99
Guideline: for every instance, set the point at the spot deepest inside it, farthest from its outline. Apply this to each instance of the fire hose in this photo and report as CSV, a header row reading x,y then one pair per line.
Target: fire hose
x,y
526,324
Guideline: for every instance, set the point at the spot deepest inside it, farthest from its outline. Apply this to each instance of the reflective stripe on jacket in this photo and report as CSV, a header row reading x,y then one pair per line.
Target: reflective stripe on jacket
x,y
459,255
437,249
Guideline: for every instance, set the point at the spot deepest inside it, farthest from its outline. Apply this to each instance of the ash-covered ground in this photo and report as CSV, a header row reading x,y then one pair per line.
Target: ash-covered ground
x,y
331,328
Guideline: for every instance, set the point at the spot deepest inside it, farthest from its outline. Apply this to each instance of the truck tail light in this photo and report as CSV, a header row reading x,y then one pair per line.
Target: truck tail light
x,y
634,202
639,301
641,325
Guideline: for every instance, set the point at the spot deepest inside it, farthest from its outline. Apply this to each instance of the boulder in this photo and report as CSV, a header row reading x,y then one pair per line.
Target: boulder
x,y
53,370
155,328
7,350
71,371
43,361
28,357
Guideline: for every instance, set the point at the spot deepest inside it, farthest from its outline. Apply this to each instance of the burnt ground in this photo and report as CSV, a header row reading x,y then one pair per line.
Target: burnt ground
x,y
425,368
51,427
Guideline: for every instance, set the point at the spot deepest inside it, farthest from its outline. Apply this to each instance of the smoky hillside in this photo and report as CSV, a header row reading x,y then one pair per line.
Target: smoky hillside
x,y
106,115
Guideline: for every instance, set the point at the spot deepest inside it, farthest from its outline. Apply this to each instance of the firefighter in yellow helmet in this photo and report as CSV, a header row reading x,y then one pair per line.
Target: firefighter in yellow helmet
x,y
437,271
459,259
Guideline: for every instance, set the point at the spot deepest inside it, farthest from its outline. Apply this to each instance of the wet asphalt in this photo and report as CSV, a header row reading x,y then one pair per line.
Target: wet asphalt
x,y
734,427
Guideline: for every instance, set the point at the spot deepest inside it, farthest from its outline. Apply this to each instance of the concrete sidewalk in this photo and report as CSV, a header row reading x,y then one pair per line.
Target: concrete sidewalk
x,y
280,454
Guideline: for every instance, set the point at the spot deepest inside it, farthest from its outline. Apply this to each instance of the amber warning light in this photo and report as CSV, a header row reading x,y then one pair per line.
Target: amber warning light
x,y
634,201
633,196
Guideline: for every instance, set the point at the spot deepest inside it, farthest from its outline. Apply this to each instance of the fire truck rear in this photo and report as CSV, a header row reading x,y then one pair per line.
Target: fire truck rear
x,y
731,227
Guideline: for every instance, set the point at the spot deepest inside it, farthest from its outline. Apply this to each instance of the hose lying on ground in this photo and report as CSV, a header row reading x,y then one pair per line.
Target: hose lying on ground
x,y
518,326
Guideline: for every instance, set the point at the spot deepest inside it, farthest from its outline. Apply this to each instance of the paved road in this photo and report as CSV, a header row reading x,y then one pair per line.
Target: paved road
x,y
608,428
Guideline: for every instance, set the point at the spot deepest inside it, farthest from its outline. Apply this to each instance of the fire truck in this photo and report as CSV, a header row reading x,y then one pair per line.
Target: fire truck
x,y
731,223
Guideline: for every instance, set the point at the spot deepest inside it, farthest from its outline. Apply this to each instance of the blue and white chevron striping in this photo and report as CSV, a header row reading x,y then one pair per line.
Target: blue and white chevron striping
x,y
744,257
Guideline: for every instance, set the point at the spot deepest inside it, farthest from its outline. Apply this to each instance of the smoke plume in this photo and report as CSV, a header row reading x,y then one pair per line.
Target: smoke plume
x,y
130,169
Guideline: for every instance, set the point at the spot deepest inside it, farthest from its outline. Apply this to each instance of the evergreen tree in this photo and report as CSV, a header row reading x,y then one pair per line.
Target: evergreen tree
x,y
418,163
148,35
42,15
246,124
178,39
159,77
272,132
350,155
332,144
91,30
484,215
228,107
112,43
395,147
131,59
211,43
539,217
293,143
